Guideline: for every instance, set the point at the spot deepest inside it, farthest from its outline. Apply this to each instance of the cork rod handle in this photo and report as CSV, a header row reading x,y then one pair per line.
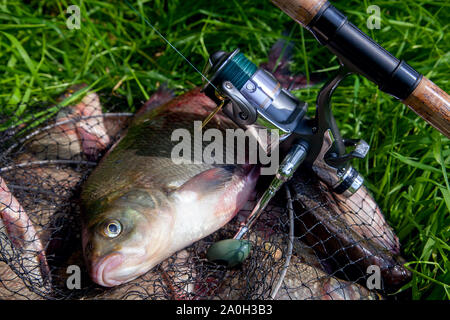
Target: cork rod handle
x,y
302,11
427,100
432,104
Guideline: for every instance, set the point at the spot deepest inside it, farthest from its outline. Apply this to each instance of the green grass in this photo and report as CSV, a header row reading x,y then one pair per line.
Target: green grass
x,y
114,50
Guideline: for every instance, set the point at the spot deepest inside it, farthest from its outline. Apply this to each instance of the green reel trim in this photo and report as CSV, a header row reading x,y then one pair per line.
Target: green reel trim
x,y
238,70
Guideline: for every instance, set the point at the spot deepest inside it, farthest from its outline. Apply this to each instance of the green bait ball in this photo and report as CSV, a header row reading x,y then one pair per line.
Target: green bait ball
x,y
230,252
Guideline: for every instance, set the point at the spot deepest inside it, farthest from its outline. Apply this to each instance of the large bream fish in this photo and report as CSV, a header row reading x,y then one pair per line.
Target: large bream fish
x,y
140,207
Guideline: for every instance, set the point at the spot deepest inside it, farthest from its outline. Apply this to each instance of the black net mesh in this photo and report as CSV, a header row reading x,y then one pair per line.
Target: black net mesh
x,y
308,244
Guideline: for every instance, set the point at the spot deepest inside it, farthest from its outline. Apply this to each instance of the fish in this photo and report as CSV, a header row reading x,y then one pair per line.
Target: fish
x,y
79,132
364,215
322,225
139,207
19,239
306,279
359,210
305,282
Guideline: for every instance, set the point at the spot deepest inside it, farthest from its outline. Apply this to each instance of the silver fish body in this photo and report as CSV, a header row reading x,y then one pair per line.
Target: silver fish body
x,y
159,206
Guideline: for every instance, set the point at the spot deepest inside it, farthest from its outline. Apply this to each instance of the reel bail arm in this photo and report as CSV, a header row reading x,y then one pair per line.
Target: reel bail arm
x,y
328,155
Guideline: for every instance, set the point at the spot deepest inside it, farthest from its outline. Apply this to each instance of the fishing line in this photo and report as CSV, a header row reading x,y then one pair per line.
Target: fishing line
x,y
168,42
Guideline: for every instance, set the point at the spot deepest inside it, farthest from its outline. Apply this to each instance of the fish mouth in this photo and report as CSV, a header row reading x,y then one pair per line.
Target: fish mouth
x,y
102,271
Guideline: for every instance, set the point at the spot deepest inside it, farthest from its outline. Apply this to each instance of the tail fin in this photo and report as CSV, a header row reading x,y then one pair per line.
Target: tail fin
x,y
280,58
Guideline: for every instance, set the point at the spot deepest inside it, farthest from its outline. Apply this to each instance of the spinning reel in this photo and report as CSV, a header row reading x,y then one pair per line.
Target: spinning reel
x,y
253,98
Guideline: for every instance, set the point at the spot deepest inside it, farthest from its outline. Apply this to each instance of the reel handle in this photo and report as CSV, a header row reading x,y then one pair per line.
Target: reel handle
x,y
360,54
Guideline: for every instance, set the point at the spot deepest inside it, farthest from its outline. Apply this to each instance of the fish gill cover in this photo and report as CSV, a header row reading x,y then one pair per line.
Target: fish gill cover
x,y
308,244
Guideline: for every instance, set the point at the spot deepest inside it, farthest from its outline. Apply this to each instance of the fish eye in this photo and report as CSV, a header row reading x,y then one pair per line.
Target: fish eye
x,y
112,229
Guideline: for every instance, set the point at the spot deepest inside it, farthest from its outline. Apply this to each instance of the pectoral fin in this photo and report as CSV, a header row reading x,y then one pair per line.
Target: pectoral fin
x,y
209,181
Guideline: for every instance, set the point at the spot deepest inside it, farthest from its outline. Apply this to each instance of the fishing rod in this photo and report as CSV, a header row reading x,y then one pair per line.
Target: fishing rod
x,y
252,97
362,55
